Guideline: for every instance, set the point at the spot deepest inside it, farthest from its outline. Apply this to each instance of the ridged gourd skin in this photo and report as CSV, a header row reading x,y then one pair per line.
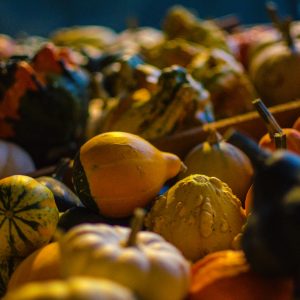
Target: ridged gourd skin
x,y
79,288
28,215
116,172
7,267
199,215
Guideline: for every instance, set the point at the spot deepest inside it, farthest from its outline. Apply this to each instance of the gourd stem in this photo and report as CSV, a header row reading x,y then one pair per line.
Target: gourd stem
x,y
271,123
136,226
282,25
280,140
214,137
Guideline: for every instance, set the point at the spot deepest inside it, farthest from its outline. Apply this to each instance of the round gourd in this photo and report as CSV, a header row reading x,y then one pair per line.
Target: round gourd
x,y
296,124
14,160
223,160
292,140
116,172
41,265
151,267
199,215
78,288
274,70
28,215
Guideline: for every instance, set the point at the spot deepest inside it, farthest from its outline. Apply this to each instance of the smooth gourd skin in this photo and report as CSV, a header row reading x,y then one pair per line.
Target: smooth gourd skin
x,y
41,265
224,161
116,172
64,196
28,215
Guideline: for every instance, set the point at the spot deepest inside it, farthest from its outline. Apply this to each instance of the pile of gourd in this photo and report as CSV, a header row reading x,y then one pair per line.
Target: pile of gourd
x,y
78,233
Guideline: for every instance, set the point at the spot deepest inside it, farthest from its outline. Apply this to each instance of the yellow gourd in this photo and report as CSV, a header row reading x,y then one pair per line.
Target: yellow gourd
x,y
199,215
78,288
220,159
116,172
42,265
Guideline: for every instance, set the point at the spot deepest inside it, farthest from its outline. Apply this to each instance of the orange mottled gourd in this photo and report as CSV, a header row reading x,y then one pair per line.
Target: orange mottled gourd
x,y
116,172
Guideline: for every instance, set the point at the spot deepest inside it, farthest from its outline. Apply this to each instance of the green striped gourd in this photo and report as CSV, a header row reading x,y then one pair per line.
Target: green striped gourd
x,y
28,216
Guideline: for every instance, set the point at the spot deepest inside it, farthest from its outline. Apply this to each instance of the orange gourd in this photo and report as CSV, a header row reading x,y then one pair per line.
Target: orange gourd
x,y
296,124
116,172
225,275
41,265
292,140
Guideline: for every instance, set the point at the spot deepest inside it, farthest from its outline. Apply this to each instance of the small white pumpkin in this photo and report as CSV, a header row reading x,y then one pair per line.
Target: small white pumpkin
x,y
14,160
152,267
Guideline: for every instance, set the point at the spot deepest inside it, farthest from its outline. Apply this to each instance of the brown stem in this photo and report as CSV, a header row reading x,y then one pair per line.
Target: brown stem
x,y
280,140
282,25
214,137
136,226
286,33
271,123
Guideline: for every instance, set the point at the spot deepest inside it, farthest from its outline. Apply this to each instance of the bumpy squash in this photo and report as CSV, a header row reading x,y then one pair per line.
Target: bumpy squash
x,y
116,172
78,288
199,215
28,216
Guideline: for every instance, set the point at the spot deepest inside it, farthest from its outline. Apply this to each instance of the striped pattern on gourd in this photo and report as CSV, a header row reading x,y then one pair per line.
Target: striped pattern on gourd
x,y
28,215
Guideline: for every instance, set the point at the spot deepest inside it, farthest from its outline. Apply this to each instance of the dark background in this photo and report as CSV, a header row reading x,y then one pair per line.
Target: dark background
x,y
41,17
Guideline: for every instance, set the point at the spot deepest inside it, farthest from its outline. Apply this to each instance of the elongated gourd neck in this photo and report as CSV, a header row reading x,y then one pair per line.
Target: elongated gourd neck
x,y
256,155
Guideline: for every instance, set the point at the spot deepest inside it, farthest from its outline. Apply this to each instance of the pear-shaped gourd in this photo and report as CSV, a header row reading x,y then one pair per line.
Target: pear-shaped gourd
x,y
116,172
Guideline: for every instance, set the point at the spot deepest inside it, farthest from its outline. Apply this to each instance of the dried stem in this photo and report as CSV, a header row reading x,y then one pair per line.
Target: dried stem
x,y
284,26
280,140
271,123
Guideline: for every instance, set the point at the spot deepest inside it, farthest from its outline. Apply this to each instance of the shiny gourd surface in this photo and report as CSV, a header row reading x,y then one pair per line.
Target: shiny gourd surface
x,y
28,215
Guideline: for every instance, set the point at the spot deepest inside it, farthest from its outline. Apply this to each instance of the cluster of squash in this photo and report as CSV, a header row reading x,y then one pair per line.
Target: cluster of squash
x,y
61,237
193,228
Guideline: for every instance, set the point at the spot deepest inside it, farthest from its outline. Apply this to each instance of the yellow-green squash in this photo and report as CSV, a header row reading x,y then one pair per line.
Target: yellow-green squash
x,y
28,215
